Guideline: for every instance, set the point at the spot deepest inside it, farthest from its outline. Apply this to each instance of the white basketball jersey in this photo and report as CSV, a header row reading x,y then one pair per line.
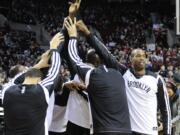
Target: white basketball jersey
x,y
59,122
49,114
142,101
77,110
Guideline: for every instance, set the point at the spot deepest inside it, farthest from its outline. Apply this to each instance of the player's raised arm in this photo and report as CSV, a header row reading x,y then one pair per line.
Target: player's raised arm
x,y
102,51
50,81
78,65
74,7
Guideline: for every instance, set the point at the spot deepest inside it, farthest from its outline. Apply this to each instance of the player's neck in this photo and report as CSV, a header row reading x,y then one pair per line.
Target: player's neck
x,y
31,80
140,73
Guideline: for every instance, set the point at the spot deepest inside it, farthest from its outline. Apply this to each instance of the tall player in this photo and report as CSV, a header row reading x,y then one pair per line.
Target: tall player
x,y
106,90
145,91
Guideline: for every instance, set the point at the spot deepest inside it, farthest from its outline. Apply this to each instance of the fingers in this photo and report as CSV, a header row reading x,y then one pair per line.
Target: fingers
x,y
72,22
79,87
82,87
56,40
79,22
76,86
59,36
71,27
72,85
75,20
70,3
68,22
60,39
78,1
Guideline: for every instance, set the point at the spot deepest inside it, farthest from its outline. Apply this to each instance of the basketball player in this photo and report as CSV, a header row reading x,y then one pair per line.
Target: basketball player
x,y
144,89
106,90
25,105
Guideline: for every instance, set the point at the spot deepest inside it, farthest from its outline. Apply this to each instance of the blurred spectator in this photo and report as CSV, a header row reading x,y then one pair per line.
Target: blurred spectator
x,y
18,47
174,101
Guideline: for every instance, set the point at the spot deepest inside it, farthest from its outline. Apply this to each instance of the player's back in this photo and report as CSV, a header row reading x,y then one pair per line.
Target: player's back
x,y
108,100
25,110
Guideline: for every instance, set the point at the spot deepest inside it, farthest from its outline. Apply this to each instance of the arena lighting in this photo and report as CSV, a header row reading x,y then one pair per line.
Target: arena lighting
x,y
177,18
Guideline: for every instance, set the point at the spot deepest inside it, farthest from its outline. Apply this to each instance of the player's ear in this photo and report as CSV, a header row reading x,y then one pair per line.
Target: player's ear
x,y
130,58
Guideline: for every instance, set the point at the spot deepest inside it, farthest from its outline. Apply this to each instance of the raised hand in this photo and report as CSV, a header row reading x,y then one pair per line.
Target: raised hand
x,y
74,7
43,63
72,85
71,26
56,40
82,27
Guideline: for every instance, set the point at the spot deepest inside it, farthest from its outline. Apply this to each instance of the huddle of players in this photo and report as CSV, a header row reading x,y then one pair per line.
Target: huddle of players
x,y
103,98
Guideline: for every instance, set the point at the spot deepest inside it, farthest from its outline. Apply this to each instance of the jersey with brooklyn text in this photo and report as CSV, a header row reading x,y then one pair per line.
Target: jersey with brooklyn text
x,y
141,93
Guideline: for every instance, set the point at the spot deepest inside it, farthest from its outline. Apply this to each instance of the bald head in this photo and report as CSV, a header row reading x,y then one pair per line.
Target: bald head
x,y
138,58
93,58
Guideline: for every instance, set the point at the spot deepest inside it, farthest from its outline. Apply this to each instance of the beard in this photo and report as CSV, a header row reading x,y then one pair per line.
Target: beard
x,y
138,67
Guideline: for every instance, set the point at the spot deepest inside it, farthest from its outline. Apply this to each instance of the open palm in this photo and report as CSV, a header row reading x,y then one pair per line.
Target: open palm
x,y
74,7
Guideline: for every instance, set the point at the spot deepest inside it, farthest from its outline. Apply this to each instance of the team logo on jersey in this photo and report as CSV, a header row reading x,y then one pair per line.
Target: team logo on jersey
x,y
139,85
23,90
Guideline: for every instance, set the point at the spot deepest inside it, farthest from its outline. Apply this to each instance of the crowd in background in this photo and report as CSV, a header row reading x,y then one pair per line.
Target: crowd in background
x,y
17,47
122,27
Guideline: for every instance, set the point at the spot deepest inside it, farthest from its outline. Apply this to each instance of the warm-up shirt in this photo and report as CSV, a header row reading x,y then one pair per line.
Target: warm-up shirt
x,y
73,106
106,89
143,94
59,121
78,108
25,106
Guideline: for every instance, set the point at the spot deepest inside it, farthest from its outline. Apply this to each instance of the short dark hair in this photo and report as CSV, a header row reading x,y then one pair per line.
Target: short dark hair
x,y
33,72
93,58
14,71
